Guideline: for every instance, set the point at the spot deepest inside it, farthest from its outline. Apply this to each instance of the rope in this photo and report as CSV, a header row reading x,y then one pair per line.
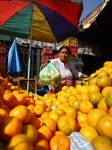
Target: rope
x,y
4,40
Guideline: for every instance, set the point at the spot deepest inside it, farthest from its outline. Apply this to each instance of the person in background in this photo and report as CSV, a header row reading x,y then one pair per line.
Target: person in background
x,y
43,89
67,69
3,73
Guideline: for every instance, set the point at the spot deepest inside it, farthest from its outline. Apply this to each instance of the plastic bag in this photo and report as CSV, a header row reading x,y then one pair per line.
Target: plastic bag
x,y
50,75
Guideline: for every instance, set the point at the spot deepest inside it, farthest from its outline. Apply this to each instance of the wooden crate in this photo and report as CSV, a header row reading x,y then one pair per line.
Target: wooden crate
x,y
22,84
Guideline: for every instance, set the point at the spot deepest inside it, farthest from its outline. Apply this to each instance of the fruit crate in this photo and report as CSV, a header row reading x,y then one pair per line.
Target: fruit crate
x,y
49,55
22,84
70,41
73,49
46,49
56,55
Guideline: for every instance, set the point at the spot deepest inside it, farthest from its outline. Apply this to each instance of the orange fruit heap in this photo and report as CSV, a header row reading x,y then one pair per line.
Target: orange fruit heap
x,y
30,122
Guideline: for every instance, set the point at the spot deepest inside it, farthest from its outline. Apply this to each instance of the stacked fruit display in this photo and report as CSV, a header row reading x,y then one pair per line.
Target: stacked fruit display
x,y
28,122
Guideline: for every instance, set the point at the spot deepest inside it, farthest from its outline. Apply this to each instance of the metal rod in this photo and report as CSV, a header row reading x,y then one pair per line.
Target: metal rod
x,y
29,59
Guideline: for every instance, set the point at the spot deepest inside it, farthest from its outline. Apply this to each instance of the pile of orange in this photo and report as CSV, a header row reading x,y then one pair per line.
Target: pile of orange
x,y
29,122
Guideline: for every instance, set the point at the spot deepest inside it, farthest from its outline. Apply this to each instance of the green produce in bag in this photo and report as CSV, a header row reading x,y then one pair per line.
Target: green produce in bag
x,y
50,75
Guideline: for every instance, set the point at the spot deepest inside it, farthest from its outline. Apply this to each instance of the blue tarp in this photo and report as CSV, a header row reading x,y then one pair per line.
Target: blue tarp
x,y
14,64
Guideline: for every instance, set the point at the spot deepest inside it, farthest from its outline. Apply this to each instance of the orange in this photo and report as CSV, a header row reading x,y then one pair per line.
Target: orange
x,y
41,144
92,81
10,127
71,87
85,106
109,70
110,74
67,124
68,94
31,107
3,114
50,123
78,97
88,132
63,100
48,109
106,63
106,90
45,115
94,115
102,105
21,112
97,71
73,92
21,98
101,142
34,121
20,141
110,64
54,115
103,73
60,111
31,95
54,95
84,89
105,68
27,101
59,133
45,133
64,88
31,132
103,81
95,98
56,103
78,88
75,104
38,102
70,102
110,110
60,142
93,88
15,92
108,99
39,109
104,125
71,110
32,101
82,119
62,106
71,98
85,97
9,99
93,75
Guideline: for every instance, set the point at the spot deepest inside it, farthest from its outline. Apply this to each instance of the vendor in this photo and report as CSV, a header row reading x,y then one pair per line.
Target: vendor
x,y
67,69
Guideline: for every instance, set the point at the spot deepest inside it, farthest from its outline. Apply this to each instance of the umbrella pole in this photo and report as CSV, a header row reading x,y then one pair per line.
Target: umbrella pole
x,y
29,58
